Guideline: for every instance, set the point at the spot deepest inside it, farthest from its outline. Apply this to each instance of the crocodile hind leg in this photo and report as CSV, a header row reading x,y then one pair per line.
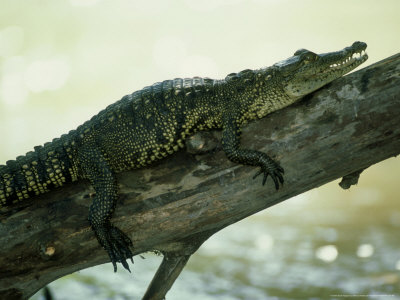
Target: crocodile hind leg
x,y
103,180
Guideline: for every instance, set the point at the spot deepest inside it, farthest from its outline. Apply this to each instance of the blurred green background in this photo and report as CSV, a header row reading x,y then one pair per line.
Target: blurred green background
x,y
61,61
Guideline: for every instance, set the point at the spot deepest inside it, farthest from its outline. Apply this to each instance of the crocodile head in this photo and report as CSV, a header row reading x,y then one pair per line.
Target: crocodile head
x,y
306,71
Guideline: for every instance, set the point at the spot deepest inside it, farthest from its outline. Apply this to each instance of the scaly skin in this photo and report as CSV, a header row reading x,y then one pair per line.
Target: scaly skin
x,y
153,123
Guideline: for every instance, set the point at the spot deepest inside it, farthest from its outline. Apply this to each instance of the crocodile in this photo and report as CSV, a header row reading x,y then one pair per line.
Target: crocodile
x,y
152,123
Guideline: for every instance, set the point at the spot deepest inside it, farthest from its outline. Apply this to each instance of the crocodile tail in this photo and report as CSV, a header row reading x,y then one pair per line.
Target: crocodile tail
x,y
39,171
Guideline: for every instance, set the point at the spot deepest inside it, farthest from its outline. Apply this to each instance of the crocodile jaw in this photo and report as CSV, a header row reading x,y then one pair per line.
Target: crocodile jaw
x,y
312,71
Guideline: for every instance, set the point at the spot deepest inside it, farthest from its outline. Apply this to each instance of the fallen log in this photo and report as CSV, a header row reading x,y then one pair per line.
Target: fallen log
x,y
179,202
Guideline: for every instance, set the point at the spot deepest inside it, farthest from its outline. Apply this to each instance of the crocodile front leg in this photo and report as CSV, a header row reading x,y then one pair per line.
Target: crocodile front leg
x,y
111,238
231,147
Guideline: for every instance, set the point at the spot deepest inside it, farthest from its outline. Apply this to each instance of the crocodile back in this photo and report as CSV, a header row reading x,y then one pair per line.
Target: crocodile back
x,y
133,132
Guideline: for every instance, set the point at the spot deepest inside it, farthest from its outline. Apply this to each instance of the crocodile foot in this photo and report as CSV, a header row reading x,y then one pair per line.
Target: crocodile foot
x,y
115,242
270,167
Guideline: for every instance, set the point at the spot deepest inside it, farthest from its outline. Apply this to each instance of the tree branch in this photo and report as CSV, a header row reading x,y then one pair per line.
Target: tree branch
x,y
345,127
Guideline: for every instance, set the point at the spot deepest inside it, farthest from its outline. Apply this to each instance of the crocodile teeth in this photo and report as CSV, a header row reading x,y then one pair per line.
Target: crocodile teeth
x,y
349,60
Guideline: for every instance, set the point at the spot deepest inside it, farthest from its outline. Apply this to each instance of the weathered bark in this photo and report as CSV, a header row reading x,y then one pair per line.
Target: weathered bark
x,y
345,127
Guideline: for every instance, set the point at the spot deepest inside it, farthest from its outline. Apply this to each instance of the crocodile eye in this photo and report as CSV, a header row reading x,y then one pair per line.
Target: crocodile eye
x,y
309,57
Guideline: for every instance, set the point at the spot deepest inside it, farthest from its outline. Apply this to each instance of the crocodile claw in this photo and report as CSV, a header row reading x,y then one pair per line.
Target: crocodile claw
x,y
115,242
270,167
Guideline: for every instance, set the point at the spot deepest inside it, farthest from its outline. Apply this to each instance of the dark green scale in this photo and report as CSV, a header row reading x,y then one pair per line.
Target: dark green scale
x,y
153,123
